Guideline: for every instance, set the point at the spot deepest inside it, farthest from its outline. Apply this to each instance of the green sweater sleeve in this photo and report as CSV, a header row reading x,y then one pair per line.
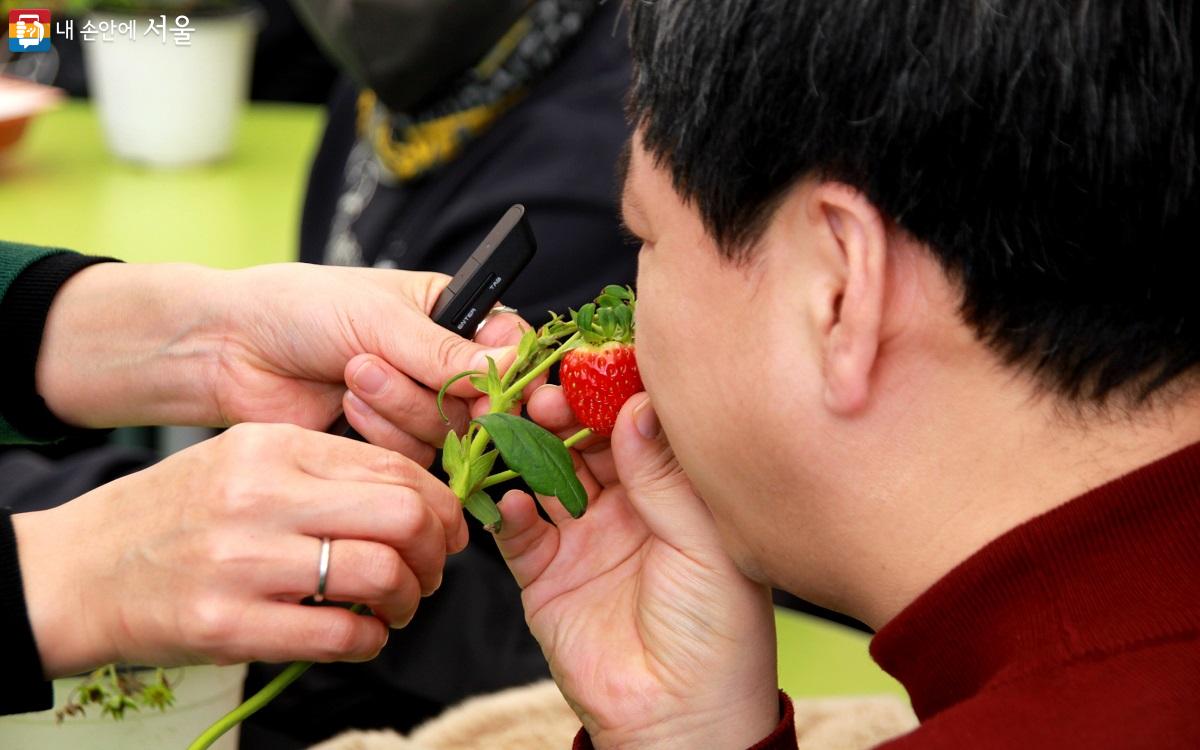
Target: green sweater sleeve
x,y
15,258
30,277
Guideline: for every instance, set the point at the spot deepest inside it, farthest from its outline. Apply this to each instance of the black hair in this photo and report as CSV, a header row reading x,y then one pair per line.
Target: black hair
x,y
1044,150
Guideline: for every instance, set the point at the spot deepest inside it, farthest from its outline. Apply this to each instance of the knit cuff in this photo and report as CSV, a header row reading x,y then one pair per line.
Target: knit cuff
x,y
24,310
783,738
23,687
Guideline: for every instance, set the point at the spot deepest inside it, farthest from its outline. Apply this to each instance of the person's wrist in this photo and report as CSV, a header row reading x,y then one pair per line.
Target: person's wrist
x,y
734,724
124,345
66,624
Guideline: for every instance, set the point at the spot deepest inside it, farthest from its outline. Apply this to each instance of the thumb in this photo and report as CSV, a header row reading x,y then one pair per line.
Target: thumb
x,y
430,354
656,485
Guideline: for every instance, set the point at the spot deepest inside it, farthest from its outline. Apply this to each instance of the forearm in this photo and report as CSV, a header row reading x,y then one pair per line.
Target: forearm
x,y
64,623
132,344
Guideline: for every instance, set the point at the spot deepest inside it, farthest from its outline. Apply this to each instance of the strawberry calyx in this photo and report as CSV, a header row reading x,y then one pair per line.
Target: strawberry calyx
x,y
608,319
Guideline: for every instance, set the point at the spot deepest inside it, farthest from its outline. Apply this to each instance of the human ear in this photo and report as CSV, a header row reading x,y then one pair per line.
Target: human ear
x,y
852,243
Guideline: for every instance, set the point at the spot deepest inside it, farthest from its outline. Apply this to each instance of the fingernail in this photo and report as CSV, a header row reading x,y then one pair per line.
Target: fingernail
x,y
370,379
498,355
646,420
357,404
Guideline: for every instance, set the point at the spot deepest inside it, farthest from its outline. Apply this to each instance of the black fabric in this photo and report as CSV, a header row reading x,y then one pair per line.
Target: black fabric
x,y
31,481
288,65
795,603
24,310
23,687
555,153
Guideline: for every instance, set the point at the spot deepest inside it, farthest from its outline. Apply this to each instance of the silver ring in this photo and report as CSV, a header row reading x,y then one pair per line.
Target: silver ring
x,y
322,570
497,309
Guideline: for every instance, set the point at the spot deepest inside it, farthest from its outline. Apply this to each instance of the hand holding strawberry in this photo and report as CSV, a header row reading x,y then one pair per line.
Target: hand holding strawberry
x,y
651,632
601,374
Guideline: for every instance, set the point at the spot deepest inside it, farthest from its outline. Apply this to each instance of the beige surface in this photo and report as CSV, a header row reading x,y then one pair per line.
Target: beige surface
x,y
537,718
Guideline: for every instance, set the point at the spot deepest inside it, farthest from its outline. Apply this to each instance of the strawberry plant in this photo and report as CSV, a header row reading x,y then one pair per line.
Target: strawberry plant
x,y
599,372
116,690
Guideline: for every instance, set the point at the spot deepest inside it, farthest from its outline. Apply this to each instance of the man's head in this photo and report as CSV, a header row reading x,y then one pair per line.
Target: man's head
x,y
881,227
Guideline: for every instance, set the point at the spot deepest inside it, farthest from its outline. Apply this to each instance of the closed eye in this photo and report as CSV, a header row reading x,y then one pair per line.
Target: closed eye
x,y
629,236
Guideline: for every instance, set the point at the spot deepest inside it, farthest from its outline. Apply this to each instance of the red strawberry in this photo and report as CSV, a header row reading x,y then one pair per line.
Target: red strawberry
x,y
597,382
600,375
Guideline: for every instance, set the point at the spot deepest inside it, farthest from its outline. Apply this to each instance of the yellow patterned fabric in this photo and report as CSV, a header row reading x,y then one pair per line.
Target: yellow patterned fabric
x,y
424,146
410,145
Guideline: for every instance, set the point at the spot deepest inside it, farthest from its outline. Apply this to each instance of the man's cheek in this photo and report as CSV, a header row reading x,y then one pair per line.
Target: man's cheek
x,y
647,354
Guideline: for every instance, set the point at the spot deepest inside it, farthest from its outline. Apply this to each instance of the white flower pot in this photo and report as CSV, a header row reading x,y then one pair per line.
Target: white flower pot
x,y
203,695
169,105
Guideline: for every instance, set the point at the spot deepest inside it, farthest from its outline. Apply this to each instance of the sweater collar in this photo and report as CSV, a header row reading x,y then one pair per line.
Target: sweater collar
x,y
1112,568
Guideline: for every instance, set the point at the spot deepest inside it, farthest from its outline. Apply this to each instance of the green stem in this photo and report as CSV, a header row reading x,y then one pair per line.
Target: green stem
x,y
516,388
250,705
256,701
499,478
505,401
505,476
577,438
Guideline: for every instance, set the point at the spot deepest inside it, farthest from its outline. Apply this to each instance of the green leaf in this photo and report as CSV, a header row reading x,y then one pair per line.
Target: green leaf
x,y
527,354
584,318
623,332
607,301
620,292
481,467
485,511
539,457
528,343
454,463
451,454
480,383
442,393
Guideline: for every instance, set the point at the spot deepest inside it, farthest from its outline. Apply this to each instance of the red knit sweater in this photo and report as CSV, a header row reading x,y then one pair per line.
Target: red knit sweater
x,y
1077,629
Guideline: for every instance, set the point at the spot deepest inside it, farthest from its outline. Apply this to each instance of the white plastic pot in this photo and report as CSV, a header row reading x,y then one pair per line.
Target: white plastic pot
x,y
205,694
165,104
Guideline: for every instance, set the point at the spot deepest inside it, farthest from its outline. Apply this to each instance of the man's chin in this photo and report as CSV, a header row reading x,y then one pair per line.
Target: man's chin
x,y
750,567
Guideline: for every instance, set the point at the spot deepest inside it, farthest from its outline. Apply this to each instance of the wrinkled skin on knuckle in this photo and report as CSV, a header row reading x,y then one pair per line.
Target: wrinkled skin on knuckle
x,y
254,443
209,627
219,552
384,571
339,638
447,352
406,515
248,470
395,465
240,496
